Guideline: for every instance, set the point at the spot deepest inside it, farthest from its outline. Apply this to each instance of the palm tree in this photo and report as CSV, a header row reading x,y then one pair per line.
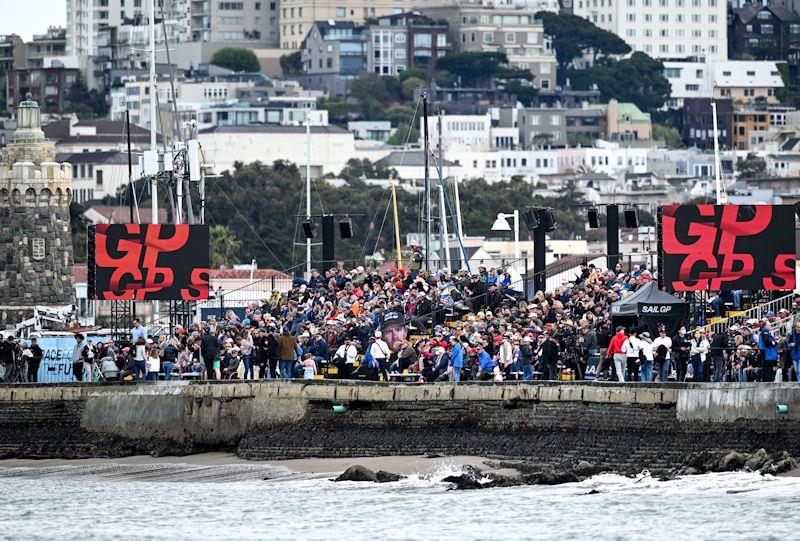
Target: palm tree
x,y
224,247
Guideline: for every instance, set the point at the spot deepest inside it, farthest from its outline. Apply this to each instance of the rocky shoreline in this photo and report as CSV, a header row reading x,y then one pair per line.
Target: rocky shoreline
x,y
528,473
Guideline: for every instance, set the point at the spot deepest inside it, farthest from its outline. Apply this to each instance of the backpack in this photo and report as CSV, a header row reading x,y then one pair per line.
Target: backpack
x,y
661,352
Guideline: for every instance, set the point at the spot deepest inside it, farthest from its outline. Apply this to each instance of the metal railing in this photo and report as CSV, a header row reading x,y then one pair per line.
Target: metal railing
x,y
756,312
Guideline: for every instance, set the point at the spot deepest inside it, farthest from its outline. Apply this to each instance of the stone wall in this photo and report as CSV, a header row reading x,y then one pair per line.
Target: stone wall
x,y
627,428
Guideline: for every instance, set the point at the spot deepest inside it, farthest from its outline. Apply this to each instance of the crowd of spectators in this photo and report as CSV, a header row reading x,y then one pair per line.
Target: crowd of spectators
x,y
431,326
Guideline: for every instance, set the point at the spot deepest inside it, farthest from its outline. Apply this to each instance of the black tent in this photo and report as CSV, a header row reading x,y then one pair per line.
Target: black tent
x,y
649,307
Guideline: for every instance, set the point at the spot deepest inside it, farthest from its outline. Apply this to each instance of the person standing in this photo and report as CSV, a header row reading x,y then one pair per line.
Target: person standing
x,y
456,359
769,352
548,352
646,368
138,331
662,347
793,345
246,348
697,354
153,364
209,350
631,348
681,348
417,259
34,361
615,352
719,343
380,353
169,355
77,358
288,351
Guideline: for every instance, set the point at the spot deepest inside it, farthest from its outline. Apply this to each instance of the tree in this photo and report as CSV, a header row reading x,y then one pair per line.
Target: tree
x,y
84,102
292,63
579,139
408,73
524,91
751,167
445,79
403,134
638,79
237,59
369,85
338,111
669,134
575,36
474,68
224,246
410,85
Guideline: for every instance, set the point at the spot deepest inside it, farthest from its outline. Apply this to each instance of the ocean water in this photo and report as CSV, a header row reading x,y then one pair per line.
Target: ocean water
x,y
245,502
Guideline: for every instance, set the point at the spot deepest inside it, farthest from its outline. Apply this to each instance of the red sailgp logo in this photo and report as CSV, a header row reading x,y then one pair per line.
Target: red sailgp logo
x,y
726,247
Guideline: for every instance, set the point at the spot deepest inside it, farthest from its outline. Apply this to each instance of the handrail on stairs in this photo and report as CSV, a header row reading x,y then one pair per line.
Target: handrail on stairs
x,y
756,312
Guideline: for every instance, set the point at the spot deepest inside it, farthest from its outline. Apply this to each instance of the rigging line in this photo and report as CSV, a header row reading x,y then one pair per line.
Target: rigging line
x,y
385,214
297,225
249,225
369,226
408,133
316,187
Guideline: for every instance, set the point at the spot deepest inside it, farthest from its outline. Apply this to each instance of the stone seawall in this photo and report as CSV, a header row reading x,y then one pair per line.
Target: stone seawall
x,y
625,427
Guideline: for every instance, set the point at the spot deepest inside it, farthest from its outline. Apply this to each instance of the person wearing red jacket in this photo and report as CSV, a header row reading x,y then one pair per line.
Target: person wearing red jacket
x,y
615,352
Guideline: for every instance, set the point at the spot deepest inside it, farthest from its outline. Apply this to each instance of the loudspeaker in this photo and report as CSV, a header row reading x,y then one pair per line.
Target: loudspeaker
x,y
308,229
346,228
797,210
530,219
594,218
631,218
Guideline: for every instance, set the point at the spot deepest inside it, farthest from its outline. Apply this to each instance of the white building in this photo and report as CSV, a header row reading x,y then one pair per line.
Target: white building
x,y
473,131
663,28
98,174
743,81
331,147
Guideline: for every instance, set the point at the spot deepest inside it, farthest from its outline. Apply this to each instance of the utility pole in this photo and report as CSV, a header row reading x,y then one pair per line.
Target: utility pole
x,y
130,162
427,212
721,199
444,242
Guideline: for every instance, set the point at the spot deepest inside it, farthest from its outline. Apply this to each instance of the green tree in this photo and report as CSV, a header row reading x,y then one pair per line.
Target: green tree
x,y
669,134
574,36
402,135
369,85
338,111
751,167
292,63
236,59
225,247
638,79
408,73
410,85
445,79
524,91
473,68
83,102
579,139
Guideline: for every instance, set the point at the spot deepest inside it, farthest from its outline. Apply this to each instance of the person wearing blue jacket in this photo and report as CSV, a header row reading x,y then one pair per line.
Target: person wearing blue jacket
x,y
456,359
486,366
769,352
793,345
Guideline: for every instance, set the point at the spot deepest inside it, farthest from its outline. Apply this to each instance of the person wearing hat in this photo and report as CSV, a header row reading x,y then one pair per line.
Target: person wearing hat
x,y
34,361
646,367
209,350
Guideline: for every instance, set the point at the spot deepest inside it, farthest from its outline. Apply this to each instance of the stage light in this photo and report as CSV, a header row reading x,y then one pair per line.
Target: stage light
x,y
308,229
346,228
631,218
530,219
594,218
547,219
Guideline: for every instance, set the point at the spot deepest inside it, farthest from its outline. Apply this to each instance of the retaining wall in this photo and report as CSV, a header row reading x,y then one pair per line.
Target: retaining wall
x,y
627,427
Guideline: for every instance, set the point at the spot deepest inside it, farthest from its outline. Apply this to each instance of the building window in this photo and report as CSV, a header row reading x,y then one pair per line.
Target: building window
x,y
422,40
766,29
535,120
511,37
488,37
533,37
441,40
341,12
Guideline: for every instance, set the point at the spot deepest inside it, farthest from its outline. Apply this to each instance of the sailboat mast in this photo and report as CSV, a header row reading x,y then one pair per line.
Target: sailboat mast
x,y
153,102
427,212
396,226
308,190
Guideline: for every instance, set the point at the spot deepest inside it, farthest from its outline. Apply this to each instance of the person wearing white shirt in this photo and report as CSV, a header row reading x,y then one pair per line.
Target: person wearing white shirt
x,y
631,348
380,352
646,368
345,357
662,355
699,347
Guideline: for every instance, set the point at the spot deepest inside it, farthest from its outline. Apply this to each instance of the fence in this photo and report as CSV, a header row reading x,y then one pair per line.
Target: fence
x,y
756,312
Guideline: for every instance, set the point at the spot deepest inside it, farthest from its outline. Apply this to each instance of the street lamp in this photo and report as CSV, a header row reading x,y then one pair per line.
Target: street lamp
x,y
501,224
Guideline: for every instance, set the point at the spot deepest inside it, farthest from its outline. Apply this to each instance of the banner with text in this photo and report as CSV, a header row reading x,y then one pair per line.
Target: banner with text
x,y
148,262
726,247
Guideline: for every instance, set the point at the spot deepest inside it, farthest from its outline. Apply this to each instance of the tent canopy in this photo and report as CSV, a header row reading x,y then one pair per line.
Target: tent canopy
x,y
649,300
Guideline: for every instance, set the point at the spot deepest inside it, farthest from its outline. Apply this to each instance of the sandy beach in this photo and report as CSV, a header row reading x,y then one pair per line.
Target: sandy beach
x,y
397,464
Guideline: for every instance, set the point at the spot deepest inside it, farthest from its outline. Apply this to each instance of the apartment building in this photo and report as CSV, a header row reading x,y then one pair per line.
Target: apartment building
x,y
406,40
698,124
540,127
48,85
298,16
333,53
469,131
663,28
512,31
741,81
769,31
12,53
624,121
42,46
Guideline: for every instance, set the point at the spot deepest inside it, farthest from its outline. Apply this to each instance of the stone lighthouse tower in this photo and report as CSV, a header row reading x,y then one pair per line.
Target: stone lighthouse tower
x,y
35,241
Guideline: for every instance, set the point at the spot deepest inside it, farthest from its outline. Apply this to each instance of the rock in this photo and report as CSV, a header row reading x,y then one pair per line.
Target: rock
x,y
585,468
766,467
756,460
551,477
474,479
388,477
689,470
732,461
787,464
358,473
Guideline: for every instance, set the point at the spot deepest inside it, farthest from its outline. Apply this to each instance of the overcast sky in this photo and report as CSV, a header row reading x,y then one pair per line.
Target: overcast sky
x,y
29,17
